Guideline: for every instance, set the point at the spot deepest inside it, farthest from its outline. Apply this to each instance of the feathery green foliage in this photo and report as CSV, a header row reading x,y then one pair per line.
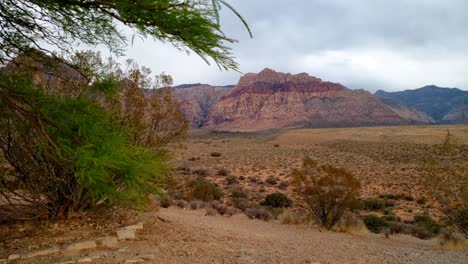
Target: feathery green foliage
x,y
62,24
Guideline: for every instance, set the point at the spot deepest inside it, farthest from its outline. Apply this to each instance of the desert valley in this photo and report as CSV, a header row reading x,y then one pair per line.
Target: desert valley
x,y
233,131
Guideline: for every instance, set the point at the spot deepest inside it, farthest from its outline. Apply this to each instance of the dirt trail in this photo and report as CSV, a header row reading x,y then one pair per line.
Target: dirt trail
x,y
186,236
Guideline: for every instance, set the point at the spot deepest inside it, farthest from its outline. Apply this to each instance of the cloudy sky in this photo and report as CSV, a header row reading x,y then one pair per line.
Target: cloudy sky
x,y
368,44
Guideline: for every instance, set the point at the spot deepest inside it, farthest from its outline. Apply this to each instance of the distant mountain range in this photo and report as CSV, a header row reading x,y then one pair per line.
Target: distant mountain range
x,y
274,100
444,105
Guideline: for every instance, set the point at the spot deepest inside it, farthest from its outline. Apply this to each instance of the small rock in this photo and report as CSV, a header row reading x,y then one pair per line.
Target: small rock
x,y
133,261
138,226
13,257
125,234
108,241
147,257
42,252
80,245
82,260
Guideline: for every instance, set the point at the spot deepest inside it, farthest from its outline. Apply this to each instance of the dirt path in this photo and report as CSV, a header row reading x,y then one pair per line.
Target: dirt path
x,y
185,236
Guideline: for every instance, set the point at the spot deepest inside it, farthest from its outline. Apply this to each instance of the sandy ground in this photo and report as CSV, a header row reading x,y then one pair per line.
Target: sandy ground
x,y
185,236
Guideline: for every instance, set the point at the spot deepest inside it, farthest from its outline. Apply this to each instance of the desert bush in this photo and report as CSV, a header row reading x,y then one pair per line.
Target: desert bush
x,y
408,198
222,172
62,154
239,192
183,170
271,180
219,207
452,240
211,211
277,200
352,224
196,204
374,223
165,201
215,154
276,145
421,200
253,179
241,203
283,185
448,183
231,180
288,217
425,221
373,204
391,218
200,172
205,190
232,211
327,190
181,204
259,213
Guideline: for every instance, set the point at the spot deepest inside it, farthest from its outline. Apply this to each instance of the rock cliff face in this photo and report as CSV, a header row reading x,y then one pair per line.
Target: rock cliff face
x,y
272,100
196,100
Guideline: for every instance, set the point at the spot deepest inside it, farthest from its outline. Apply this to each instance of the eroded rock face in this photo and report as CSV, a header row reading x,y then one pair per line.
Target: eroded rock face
x,y
272,100
275,100
196,101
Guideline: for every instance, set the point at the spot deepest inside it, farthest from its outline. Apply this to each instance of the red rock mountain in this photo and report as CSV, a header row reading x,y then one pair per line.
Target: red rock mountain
x,y
273,100
197,100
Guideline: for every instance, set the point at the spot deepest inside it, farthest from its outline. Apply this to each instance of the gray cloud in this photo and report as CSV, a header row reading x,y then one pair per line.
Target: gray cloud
x,y
370,44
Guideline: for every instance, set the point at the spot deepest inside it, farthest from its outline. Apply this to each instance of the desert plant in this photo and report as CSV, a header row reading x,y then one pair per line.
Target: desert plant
x,y
241,203
200,172
374,223
352,224
231,180
239,192
211,211
283,185
196,204
448,183
222,172
288,217
271,180
421,200
259,213
181,203
327,190
215,154
373,204
165,201
205,190
277,200
425,221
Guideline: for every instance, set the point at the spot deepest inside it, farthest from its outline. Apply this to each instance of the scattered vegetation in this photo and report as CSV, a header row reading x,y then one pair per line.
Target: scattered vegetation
x,y
259,213
215,154
374,223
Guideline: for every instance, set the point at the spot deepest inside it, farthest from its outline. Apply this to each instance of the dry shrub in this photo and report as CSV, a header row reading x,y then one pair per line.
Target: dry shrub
x,y
196,204
165,201
292,218
259,213
352,224
205,190
181,203
448,182
210,211
327,190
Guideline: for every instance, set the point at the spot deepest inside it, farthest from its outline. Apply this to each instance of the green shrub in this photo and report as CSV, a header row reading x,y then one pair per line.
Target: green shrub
x,y
425,221
373,204
241,203
200,172
238,192
231,180
374,223
421,200
203,189
222,172
277,200
165,201
283,185
271,180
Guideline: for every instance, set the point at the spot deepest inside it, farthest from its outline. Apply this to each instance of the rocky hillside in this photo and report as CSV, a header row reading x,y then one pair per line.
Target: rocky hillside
x,y
442,104
196,100
272,100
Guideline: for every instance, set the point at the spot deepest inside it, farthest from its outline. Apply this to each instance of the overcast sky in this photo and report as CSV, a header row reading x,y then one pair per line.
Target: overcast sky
x,y
368,44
